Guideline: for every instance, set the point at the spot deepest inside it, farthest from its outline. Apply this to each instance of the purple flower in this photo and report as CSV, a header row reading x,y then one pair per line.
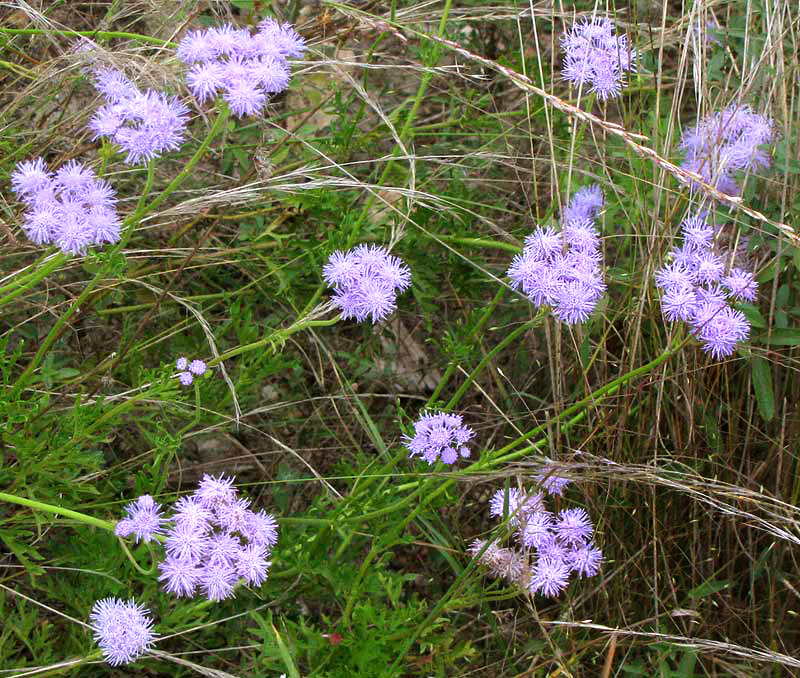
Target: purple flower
x,y
222,548
143,125
260,529
679,303
187,542
197,367
181,363
144,520
573,526
245,68
213,491
741,284
562,268
516,505
552,483
217,580
536,529
232,516
188,511
72,208
674,275
366,281
550,577
180,576
439,436
251,564
585,560
186,378
720,329
726,142
124,631
595,58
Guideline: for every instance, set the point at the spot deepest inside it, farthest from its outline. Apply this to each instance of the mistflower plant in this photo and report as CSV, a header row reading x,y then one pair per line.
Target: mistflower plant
x,y
70,208
366,281
143,124
552,482
439,436
595,58
562,268
724,144
553,547
123,630
697,288
246,68
214,541
143,522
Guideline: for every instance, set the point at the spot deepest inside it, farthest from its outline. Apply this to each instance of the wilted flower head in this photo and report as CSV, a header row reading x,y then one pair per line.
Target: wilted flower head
x,y
124,631
246,68
696,290
439,436
143,124
562,268
515,504
595,58
727,142
366,281
501,562
71,208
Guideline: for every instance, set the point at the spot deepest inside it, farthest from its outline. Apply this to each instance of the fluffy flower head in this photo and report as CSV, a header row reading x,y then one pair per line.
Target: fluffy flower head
x,y
123,630
440,436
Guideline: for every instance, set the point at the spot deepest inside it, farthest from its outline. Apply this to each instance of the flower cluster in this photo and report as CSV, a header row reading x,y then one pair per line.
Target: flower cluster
x,y
187,371
142,124
595,57
247,68
554,545
724,143
439,436
552,482
696,289
124,631
562,268
366,281
71,208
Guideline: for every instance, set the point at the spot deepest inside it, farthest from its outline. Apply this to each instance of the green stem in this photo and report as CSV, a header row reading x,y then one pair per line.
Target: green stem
x,y
58,510
25,282
511,337
89,34
278,335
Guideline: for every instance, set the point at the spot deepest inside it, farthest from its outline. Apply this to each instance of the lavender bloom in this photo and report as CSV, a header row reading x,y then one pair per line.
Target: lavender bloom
x,y
197,367
552,483
214,541
550,577
144,520
214,491
725,143
181,363
439,436
70,208
518,507
144,125
562,268
585,560
180,577
573,527
696,290
185,378
366,281
595,58
124,631
536,530
246,68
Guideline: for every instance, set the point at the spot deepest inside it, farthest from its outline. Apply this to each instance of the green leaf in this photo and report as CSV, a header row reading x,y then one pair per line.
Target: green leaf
x,y
762,383
709,587
779,337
